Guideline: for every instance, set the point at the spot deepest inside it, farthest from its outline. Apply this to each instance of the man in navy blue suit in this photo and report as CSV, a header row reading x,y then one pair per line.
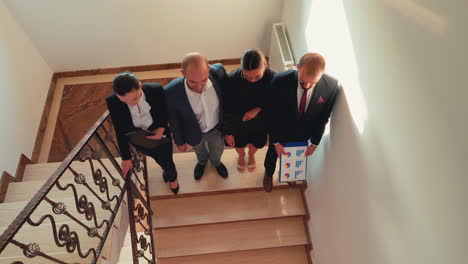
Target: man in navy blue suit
x,y
299,108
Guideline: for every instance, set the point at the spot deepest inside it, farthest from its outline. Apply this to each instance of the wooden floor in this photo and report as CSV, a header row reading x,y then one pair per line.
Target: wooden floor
x,y
79,102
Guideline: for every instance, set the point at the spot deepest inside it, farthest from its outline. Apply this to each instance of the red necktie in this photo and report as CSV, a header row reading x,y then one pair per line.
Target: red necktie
x,y
302,106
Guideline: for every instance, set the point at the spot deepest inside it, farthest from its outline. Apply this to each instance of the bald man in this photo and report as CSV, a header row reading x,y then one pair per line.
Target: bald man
x,y
194,104
299,108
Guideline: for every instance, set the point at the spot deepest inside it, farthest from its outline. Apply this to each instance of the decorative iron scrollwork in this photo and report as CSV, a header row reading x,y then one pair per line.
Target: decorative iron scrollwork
x,y
87,151
80,178
93,232
106,205
32,250
59,208
116,182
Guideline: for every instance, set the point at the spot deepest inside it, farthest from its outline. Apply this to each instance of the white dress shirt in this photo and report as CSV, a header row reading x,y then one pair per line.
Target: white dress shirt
x,y
300,92
205,106
140,113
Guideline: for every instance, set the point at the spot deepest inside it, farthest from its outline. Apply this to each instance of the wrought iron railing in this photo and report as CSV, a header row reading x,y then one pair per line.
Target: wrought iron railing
x,y
78,204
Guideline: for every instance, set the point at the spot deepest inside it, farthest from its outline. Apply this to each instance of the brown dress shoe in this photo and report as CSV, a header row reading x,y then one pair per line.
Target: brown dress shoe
x,y
267,183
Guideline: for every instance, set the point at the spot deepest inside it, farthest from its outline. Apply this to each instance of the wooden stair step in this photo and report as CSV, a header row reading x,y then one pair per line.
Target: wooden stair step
x,y
9,211
227,208
25,191
211,182
227,237
65,257
293,255
44,237
42,171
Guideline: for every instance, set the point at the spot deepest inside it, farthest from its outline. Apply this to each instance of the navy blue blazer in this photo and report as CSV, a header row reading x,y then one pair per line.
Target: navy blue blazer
x,y
122,119
184,124
283,122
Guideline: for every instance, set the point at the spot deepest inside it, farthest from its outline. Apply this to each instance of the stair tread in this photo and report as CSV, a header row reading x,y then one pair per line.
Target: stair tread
x,y
293,254
65,257
42,171
227,207
227,237
9,211
21,191
211,182
44,237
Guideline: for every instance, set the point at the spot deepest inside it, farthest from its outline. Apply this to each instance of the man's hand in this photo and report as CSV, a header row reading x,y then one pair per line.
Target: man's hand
x,y
251,114
127,165
310,150
279,149
184,148
230,140
158,133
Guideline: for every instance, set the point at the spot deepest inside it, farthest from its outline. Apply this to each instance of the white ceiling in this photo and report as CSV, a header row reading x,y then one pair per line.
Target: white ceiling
x,y
87,34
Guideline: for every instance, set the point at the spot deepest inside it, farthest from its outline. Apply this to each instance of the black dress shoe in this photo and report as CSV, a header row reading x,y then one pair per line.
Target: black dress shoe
x,y
175,190
222,171
267,183
198,172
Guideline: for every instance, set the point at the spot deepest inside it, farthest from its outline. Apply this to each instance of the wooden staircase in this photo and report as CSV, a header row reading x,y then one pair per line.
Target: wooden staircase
x,y
214,220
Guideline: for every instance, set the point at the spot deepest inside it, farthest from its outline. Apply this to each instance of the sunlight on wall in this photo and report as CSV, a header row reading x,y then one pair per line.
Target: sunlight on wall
x,y
421,15
327,33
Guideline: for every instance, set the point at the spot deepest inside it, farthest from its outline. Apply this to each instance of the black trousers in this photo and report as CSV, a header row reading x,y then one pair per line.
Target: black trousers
x,y
163,156
270,160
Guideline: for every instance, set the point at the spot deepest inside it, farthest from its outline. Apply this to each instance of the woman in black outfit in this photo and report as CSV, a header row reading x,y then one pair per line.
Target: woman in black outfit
x,y
133,106
245,98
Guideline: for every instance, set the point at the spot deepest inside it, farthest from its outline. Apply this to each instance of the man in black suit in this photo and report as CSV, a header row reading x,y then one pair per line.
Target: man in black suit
x,y
299,109
195,104
134,105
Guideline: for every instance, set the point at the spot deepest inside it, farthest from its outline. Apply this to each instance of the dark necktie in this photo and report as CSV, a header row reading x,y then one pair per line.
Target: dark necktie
x,y
303,104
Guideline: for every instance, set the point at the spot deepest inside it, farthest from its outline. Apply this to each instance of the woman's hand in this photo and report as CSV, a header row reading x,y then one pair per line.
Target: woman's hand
x,y
158,133
251,114
230,140
127,165
184,148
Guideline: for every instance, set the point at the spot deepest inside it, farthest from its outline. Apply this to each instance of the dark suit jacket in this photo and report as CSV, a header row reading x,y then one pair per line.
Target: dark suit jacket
x,y
184,124
284,125
122,119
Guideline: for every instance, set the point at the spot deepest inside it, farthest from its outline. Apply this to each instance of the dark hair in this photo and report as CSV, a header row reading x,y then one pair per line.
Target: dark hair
x,y
125,83
252,59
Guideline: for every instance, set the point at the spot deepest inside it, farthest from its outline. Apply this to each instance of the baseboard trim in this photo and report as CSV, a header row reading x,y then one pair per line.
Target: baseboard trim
x,y
140,68
44,118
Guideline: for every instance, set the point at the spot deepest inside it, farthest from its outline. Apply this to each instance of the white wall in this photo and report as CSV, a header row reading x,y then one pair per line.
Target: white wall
x,y
24,82
86,34
389,184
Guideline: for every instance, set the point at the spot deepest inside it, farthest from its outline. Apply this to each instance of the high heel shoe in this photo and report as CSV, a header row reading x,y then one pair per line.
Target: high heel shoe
x,y
174,190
